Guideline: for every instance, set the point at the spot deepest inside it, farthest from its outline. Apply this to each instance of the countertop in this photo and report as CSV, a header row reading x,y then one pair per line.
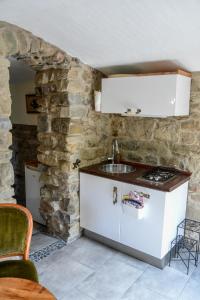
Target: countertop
x,y
140,169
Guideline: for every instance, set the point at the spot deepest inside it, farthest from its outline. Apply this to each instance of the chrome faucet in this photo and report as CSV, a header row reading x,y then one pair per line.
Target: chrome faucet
x,y
115,152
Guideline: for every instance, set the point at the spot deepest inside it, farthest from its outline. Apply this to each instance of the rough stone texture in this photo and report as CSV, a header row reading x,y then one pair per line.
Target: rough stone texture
x,y
41,56
57,121
24,148
68,130
6,171
173,141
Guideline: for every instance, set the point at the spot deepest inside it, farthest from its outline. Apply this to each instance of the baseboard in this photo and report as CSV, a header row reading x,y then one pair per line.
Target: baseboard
x,y
156,262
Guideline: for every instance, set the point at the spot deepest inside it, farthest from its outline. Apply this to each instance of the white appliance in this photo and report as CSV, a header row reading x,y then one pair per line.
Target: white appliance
x,y
150,95
32,186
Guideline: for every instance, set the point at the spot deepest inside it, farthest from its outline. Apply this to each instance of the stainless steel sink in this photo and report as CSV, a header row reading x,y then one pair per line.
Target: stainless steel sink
x,y
117,168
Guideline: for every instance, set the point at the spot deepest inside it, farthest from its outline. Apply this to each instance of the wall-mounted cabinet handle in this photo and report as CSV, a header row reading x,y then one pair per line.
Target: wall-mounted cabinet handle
x,y
133,111
115,195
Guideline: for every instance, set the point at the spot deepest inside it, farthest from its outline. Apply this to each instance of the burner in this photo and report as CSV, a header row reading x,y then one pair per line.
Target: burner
x,y
159,175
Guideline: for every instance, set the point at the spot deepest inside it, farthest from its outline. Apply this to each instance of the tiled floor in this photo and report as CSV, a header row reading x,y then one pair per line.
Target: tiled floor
x,y
40,240
87,270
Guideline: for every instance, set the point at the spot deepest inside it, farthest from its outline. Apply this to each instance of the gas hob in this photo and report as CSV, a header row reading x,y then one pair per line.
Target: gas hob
x,y
158,175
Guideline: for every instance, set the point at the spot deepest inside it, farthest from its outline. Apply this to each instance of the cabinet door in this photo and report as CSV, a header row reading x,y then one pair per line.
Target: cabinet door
x,y
153,95
144,234
98,213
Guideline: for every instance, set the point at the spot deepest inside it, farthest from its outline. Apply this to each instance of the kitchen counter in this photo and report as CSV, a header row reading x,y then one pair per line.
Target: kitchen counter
x,y
134,177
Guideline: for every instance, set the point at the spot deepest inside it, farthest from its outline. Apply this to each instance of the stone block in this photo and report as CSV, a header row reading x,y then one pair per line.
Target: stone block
x,y
128,145
75,128
88,154
4,83
195,86
187,138
76,86
5,124
4,62
45,207
65,166
10,41
61,125
188,124
78,111
24,45
64,112
60,57
5,139
6,193
6,175
5,108
87,75
44,122
60,74
73,73
35,44
74,231
49,140
5,156
77,99
47,159
3,48
167,132
7,200
49,180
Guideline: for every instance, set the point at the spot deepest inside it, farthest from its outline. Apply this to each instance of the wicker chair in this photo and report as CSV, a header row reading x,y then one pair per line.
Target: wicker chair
x,y
16,227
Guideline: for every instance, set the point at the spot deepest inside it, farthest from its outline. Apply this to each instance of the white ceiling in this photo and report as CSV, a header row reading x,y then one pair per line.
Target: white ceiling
x,y
115,35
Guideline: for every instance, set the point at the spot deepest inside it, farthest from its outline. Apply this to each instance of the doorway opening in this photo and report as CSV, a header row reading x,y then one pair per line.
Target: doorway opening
x,y
24,125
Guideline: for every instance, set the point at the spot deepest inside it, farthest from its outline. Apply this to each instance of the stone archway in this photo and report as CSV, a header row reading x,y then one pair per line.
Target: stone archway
x,y
68,128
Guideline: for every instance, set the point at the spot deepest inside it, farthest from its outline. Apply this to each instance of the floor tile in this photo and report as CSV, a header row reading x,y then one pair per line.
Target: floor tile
x,y
91,253
88,270
138,292
76,295
110,281
61,275
132,261
40,240
191,291
196,273
179,265
167,282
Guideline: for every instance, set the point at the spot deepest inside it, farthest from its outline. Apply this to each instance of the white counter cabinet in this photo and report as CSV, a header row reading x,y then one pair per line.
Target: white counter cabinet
x,y
151,234
97,211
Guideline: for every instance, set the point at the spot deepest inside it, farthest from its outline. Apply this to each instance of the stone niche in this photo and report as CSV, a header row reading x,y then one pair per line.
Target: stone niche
x,y
68,128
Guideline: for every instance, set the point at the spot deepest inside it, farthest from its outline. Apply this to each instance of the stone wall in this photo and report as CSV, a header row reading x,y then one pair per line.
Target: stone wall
x,y
21,44
24,146
6,170
173,141
68,127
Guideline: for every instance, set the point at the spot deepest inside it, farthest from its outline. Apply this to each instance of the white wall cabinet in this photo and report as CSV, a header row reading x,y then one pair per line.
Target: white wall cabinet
x,y
155,95
152,234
